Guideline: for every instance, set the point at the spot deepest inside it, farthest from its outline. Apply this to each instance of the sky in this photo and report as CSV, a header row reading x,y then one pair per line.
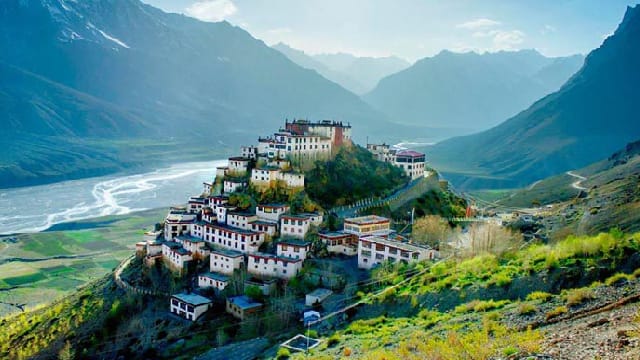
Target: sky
x,y
414,29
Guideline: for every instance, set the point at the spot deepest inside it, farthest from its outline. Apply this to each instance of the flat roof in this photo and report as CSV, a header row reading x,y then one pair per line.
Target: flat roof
x,y
172,244
333,234
231,228
244,302
273,205
239,158
215,276
193,299
410,153
396,244
228,253
320,292
368,219
189,238
293,242
275,257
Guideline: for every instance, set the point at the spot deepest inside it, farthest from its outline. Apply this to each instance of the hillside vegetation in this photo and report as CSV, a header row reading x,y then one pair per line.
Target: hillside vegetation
x,y
352,175
488,306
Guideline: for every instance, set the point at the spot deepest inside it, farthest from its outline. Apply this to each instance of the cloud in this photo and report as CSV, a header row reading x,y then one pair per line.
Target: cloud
x,y
507,40
211,10
501,39
481,23
547,29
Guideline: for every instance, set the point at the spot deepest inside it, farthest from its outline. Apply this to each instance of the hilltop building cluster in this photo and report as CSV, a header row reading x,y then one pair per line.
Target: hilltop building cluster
x,y
268,243
410,161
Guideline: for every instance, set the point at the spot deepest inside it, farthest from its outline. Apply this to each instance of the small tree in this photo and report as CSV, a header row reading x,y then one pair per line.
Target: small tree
x,y
430,230
253,292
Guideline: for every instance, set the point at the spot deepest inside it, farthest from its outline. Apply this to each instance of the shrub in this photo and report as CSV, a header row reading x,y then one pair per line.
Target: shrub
x,y
556,312
538,295
283,353
333,340
346,352
480,306
526,309
500,279
578,296
509,351
618,279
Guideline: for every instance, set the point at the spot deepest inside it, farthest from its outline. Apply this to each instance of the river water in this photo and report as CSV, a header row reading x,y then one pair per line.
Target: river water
x,y
36,208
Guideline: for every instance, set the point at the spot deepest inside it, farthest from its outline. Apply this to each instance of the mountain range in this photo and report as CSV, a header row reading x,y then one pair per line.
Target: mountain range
x,y
354,73
109,70
469,91
592,115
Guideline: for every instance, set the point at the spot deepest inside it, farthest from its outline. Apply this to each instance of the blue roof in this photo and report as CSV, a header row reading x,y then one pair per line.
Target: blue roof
x,y
244,302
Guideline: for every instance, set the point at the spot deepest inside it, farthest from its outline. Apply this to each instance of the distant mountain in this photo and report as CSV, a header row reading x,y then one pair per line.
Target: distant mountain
x,y
469,91
356,74
114,69
592,115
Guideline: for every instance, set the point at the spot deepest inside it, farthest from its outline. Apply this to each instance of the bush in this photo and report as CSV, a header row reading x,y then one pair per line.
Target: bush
x,y
556,312
283,353
500,279
538,295
526,309
480,306
618,279
578,296
346,352
333,340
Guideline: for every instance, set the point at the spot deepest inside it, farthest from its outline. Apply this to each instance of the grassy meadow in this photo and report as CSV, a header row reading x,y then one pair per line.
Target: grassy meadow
x,y
38,268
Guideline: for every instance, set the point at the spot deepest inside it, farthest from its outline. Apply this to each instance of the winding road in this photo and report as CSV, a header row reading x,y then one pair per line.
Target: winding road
x,y
576,184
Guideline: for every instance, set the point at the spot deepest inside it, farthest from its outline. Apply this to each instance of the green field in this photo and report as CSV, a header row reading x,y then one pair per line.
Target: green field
x,y
36,269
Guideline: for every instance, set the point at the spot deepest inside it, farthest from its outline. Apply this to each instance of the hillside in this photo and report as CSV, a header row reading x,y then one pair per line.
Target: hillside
x,y
590,117
470,92
356,74
482,305
123,70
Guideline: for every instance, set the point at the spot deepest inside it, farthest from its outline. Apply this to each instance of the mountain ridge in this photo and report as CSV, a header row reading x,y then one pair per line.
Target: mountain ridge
x,y
588,118
470,91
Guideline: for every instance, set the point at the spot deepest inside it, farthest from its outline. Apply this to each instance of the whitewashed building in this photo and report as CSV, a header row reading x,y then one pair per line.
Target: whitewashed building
x,y
367,225
265,227
269,265
294,226
194,245
340,242
412,162
176,255
178,222
238,166
241,220
189,306
294,249
225,261
213,280
271,212
232,238
233,185
374,250
249,152
222,211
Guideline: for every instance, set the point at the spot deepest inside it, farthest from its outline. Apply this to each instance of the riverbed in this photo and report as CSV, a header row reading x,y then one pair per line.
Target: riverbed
x,y
36,208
